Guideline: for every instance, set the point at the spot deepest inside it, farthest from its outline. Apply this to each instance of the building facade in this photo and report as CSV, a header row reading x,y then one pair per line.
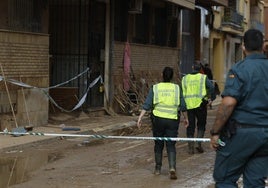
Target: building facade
x,y
125,42
24,42
229,26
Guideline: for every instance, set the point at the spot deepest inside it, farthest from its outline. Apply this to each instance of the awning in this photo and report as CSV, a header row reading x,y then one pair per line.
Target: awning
x,y
212,2
184,3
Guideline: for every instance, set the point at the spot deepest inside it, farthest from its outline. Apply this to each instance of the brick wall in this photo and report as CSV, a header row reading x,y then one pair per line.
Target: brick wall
x,y
147,63
24,57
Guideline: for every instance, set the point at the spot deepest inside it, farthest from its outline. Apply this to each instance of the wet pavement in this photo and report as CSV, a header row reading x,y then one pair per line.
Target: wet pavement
x,y
68,124
21,162
83,123
15,159
18,159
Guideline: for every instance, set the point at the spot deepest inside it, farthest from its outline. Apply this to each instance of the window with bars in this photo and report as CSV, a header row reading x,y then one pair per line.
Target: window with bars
x,y
155,25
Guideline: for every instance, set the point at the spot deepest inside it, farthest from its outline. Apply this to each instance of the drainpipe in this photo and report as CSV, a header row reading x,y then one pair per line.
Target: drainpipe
x,y
107,56
109,38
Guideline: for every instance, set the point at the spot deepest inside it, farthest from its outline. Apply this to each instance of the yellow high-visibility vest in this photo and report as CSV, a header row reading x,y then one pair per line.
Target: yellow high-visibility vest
x,y
166,100
194,89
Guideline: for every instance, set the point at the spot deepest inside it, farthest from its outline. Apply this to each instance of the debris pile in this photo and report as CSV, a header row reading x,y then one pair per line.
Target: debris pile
x,y
132,131
130,101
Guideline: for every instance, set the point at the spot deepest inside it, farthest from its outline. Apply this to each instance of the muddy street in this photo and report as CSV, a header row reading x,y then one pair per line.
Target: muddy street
x,y
101,163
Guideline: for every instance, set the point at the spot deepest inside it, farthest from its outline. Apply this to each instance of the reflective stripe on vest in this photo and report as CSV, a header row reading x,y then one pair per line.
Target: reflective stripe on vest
x,y
166,100
194,89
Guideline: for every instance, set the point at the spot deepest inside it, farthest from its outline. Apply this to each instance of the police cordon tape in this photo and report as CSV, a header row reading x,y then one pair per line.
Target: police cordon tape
x,y
112,137
46,90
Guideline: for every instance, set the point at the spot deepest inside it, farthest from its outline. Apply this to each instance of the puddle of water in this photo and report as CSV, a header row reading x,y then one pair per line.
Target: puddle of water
x,y
16,166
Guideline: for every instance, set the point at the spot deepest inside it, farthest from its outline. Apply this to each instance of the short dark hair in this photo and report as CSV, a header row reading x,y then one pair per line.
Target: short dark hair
x,y
253,40
167,74
197,66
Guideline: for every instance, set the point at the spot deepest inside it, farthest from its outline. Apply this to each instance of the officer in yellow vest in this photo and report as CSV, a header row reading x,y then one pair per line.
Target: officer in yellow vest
x,y
195,87
165,99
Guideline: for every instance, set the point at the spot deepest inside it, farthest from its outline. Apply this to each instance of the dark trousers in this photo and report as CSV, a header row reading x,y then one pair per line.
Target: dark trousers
x,y
197,117
245,153
163,127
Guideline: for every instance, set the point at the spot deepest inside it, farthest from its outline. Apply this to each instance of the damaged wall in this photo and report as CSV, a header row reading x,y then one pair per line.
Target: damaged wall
x,y
24,57
147,63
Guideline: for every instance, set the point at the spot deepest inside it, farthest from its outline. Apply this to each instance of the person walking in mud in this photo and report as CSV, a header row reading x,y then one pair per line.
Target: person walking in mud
x,y
242,119
195,86
166,101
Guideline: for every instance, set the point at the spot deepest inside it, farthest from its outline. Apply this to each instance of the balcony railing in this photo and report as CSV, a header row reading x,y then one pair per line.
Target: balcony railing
x,y
232,17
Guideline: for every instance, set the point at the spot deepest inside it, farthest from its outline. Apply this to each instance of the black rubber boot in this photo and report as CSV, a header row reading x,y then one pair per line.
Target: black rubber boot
x,y
172,165
199,148
158,163
191,148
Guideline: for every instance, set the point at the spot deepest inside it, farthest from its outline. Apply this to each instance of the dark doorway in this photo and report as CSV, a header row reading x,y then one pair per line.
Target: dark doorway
x,y
77,38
